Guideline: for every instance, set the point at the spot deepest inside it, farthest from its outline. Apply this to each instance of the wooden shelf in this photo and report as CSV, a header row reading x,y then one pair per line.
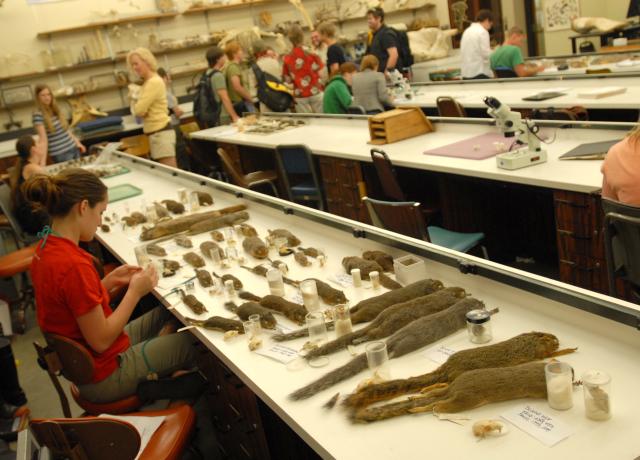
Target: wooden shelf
x,y
427,6
114,22
233,6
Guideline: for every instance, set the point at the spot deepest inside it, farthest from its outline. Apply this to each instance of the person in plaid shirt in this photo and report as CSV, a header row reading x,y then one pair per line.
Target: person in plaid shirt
x,y
302,70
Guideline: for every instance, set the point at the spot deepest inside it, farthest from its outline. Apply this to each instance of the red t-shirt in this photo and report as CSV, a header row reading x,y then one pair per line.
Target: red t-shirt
x,y
301,69
67,286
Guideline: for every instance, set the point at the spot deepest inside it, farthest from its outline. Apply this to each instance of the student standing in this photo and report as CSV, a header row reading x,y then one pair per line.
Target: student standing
x,y
301,70
384,42
369,87
337,96
237,87
175,112
335,53
509,56
54,135
153,107
475,48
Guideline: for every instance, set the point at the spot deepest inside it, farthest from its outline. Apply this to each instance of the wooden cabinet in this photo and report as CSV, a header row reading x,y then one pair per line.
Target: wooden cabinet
x,y
344,186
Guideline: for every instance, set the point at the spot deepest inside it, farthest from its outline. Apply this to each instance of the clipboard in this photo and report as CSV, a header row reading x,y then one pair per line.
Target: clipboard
x,y
590,151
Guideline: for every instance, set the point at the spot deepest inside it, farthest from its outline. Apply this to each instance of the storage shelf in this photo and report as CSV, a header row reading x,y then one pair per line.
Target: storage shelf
x,y
427,6
233,6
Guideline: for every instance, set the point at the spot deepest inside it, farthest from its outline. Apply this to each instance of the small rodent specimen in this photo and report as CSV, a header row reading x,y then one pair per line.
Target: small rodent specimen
x,y
393,319
483,428
134,219
382,258
520,349
161,211
366,267
197,223
218,323
415,335
156,250
217,235
469,390
183,241
237,284
302,259
246,295
214,223
280,265
292,311
105,228
204,198
255,247
204,278
194,304
329,294
368,309
169,268
248,230
193,259
292,240
285,251
311,252
253,308
261,270
208,247
174,206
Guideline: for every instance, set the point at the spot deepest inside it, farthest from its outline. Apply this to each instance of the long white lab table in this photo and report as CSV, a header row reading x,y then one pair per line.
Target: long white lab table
x,y
603,344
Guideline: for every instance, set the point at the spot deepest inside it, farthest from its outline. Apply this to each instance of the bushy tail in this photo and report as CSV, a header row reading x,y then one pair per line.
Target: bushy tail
x,y
388,282
291,335
353,367
337,344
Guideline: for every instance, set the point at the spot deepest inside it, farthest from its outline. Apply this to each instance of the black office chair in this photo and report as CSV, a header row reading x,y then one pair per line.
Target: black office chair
x,y
622,244
298,172
504,72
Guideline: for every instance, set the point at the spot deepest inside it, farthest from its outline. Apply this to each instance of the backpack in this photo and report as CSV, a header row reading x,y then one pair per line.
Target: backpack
x,y
404,50
206,110
270,90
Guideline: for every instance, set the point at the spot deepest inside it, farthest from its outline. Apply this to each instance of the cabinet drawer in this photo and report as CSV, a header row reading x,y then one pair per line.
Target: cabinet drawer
x,y
586,272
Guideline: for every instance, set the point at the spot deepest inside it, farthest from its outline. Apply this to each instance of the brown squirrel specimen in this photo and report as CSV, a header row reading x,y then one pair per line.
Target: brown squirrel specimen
x,y
156,250
292,311
194,304
311,252
169,268
105,228
161,211
247,230
134,219
204,278
174,206
204,198
292,240
520,349
183,241
393,319
469,390
193,259
415,335
255,247
302,259
217,323
253,308
246,295
217,236
214,223
237,284
208,247
261,270
366,267
329,294
382,258
181,224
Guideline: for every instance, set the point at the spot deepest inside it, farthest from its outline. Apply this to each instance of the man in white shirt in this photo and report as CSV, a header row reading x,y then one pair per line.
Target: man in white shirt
x,y
475,48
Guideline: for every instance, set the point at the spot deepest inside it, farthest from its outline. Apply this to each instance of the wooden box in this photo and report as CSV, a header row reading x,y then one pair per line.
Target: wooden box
x,y
398,124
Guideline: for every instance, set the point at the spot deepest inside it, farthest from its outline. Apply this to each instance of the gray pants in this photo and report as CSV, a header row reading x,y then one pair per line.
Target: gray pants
x,y
147,354
311,104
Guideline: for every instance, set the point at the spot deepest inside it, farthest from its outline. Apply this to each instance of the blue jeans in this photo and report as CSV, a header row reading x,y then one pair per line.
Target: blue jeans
x,y
72,154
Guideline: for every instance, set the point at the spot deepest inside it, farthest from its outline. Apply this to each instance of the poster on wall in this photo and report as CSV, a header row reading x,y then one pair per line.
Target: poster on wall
x,y
558,14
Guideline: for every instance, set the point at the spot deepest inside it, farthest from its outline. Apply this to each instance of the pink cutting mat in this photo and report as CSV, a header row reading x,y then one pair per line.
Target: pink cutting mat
x,y
475,148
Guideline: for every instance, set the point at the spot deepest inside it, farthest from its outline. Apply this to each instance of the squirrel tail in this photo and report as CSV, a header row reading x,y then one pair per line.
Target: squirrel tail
x,y
353,367
336,345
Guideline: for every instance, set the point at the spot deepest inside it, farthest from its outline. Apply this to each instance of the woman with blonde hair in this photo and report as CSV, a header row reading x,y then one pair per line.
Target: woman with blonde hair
x,y
152,106
369,87
54,136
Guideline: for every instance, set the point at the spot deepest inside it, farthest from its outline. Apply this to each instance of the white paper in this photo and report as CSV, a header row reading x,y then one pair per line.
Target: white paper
x,y
280,353
344,280
440,354
146,427
536,423
296,298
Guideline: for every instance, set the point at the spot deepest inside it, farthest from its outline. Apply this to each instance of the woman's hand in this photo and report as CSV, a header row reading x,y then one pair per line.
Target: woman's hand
x,y
119,277
143,281
81,147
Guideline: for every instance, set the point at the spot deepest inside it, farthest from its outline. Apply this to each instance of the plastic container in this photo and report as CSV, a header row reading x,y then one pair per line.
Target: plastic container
x,y
342,320
409,269
276,284
316,327
479,326
310,298
356,277
596,386
559,385
378,359
374,277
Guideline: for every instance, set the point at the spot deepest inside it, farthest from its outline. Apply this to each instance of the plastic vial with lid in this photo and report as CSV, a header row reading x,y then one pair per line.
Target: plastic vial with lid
x,y
597,395
276,284
479,326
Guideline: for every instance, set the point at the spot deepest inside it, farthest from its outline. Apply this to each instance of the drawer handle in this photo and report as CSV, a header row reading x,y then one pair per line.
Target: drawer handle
x,y
235,411
578,267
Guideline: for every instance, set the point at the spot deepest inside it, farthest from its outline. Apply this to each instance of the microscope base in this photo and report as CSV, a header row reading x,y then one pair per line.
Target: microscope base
x,y
520,159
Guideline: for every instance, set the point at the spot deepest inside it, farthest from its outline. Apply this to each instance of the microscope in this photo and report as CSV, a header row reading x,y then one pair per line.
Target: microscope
x,y
525,132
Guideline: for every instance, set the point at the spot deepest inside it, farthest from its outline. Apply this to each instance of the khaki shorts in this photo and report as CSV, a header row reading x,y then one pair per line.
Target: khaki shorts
x,y
162,144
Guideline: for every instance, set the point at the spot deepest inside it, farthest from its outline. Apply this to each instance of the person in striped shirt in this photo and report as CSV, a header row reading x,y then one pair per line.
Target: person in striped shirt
x,y
54,136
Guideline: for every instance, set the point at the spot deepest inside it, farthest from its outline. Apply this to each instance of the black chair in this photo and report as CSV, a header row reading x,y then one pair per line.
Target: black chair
x,y
504,72
587,47
356,110
622,244
298,172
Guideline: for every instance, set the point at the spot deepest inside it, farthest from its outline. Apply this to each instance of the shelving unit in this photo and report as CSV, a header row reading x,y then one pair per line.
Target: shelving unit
x,y
233,6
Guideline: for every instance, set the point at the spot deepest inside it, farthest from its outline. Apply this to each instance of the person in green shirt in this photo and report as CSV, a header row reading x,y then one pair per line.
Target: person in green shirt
x,y
337,96
216,60
509,55
236,86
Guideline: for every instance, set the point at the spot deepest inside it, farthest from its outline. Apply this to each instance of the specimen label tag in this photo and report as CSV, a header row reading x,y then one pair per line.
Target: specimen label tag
x,y
546,429
440,353
343,280
280,353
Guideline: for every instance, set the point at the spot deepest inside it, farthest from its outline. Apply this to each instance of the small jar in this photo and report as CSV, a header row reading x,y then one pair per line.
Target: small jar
x,y
356,277
374,277
194,202
276,284
229,289
479,326
183,196
342,320
597,395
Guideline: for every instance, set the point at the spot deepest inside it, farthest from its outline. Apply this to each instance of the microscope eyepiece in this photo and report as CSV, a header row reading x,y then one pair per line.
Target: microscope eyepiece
x,y
492,102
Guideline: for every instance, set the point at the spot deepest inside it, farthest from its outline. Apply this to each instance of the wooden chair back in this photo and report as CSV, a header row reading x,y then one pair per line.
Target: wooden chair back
x,y
229,166
401,217
387,175
449,107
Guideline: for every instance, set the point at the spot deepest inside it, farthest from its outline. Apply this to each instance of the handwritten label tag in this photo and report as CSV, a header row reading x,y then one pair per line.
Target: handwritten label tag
x,y
296,298
342,279
280,353
440,354
541,426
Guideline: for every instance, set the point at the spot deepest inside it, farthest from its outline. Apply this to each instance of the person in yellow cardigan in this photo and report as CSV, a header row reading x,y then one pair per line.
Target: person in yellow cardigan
x,y
151,105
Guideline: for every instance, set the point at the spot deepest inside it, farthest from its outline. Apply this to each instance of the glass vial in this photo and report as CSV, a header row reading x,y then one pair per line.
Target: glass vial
x,y
374,276
378,359
276,285
316,327
183,196
194,202
559,385
597,390
342,320
309,292
479,326
229,289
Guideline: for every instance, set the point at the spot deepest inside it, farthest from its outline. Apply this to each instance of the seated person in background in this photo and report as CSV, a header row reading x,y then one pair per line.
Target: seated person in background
x,y
337,97
31,161
621,170
509,56
335,52
370,87
236,85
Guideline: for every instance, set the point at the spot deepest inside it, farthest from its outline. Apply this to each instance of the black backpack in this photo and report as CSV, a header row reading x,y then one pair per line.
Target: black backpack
x,y
206,110
404,50
270,90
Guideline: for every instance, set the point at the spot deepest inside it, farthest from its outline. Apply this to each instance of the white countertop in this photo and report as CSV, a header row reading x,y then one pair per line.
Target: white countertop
x,y
347,138
603,344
